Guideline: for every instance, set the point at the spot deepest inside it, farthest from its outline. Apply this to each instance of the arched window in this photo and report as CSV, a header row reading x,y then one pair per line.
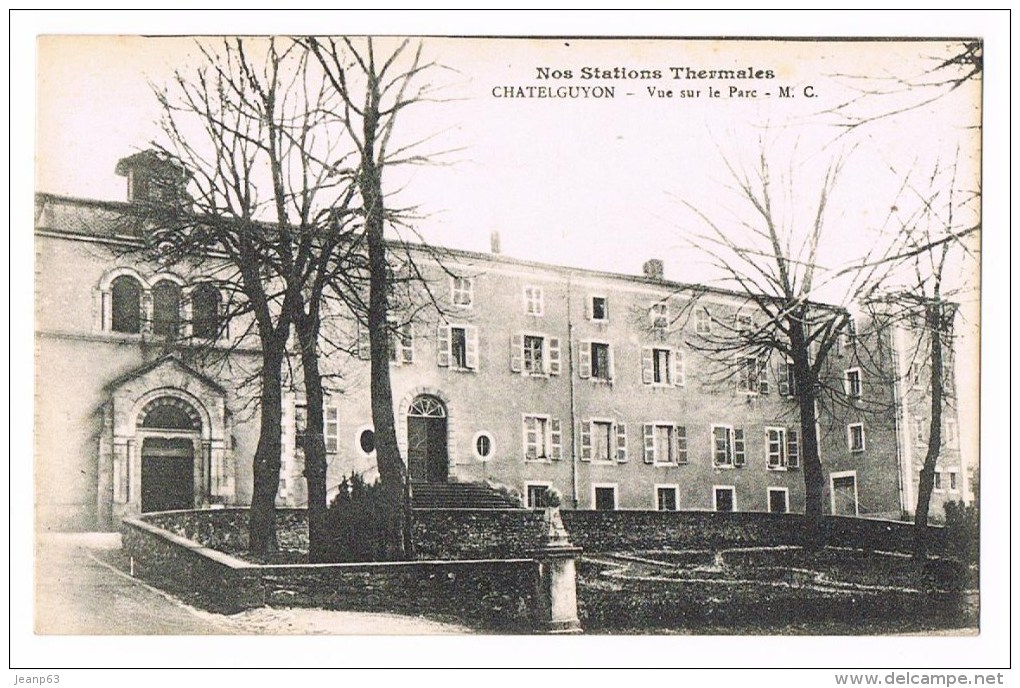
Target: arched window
x,y
127,305
170,413
166,309
205,310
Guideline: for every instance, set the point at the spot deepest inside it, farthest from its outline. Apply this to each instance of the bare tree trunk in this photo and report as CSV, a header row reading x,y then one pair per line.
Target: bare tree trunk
x,y
814,476
392,472
266,465
313,441
926,482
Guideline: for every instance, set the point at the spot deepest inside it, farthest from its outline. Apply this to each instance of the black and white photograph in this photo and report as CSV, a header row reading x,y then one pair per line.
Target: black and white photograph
x,y
377,335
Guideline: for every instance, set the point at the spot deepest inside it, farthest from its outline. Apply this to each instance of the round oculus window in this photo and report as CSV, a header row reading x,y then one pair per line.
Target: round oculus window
x,y
366,440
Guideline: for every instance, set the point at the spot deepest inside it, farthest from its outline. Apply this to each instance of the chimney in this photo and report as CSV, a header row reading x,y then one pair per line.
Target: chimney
x,y
653,269
152,178
494,241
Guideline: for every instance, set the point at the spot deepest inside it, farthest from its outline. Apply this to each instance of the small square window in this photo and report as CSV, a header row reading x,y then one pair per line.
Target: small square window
x,y
605,498
779,500
462,291
724,499
665,498
534,301
659,315
536,495
855,437
599,308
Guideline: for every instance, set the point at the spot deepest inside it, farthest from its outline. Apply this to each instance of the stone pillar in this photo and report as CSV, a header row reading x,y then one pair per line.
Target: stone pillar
x,y
555,608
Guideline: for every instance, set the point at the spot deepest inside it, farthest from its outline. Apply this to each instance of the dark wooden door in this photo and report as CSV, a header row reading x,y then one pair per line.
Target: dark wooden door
x,y
168,474
426,449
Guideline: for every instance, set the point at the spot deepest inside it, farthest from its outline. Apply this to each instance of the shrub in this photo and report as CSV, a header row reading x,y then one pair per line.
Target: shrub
x,y
355,522
963,532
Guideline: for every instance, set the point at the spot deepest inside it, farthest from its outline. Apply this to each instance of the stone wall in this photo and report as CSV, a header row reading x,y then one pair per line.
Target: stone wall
x,y
461,533
491,594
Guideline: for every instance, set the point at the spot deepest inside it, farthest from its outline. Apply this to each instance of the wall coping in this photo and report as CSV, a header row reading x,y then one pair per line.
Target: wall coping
x,y
235,563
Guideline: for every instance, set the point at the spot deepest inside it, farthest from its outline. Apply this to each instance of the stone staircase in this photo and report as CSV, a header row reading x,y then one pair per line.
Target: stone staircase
x,y
459,496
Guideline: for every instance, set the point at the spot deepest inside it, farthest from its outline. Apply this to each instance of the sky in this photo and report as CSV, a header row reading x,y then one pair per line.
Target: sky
x,y
592,183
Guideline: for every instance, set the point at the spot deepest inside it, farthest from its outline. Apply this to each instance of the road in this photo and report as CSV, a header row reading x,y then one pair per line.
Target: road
x,y
77,592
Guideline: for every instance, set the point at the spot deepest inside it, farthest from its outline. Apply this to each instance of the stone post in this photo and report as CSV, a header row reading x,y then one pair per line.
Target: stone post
x,y
555,608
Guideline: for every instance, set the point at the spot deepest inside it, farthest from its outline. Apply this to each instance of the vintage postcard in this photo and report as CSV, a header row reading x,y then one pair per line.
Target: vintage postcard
x,y
448,335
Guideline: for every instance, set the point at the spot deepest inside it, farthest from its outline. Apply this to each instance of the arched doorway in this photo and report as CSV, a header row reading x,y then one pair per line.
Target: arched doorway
x,y
427,457
169,428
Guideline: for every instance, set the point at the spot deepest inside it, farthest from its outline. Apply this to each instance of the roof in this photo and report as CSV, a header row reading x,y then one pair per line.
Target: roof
x,y
168,358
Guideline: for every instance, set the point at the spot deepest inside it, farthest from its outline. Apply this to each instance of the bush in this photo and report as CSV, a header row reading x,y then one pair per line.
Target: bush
x,y
355,522
963,532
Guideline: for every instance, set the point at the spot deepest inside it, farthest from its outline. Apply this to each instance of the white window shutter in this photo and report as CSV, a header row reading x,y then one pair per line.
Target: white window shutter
x,y
612,363
584,434
443,346
471,346
531,439
783,378
739,448
680,438
584,360
763,375
555,439
647,365
621,442
516,352
649,445
554,356
792,449
587,308
679,369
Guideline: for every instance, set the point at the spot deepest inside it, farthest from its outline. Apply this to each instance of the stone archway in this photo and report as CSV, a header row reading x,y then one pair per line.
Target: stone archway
x,y
170,436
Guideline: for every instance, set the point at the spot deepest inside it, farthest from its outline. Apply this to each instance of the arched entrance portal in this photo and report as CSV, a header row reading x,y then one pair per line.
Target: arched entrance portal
x,y
170,429
427,458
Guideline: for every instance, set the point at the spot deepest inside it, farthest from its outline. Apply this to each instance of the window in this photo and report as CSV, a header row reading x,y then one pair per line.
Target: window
x,y
724,498
595,361
938,480
401,344
166,309
852,383
300,425
662,367
457,347
779,500
364,440
752,375
665,444
728,448
483,446
533,301
952,434
792,449
775,448
602,440
331,429
786,382
542,438
920,430
666,497
462,291
599,308
600,361
855,437
605,497
953,485
534,361
534,354
205,311
536,495
127,305
658,314
703,321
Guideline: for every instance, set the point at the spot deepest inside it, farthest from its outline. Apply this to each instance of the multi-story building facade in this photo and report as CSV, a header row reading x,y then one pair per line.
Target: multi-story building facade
x,y
522,374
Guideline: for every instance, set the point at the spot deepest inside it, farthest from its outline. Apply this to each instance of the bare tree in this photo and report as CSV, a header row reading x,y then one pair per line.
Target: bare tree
x,y
258,132
376,87
769,258
948,67
923,298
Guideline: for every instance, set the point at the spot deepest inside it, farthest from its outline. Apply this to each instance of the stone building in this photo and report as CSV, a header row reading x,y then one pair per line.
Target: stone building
x,y
524,376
